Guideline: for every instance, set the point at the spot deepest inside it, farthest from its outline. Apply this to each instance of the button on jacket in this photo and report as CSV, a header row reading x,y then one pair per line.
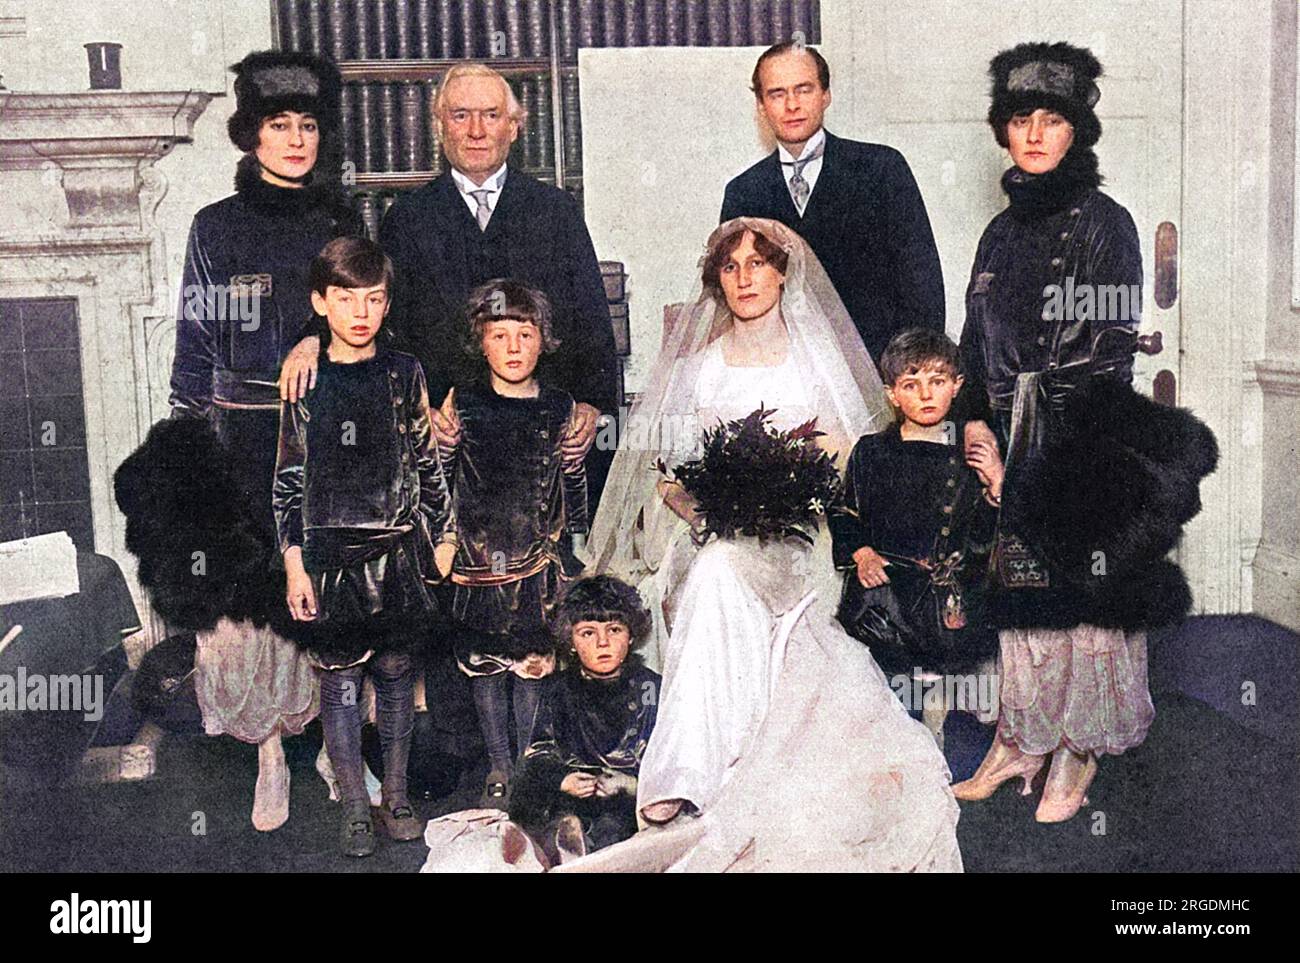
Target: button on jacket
x,y
245,300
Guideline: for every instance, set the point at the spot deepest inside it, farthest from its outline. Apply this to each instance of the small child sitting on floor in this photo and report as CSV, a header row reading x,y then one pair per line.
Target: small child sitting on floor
x,y
576,789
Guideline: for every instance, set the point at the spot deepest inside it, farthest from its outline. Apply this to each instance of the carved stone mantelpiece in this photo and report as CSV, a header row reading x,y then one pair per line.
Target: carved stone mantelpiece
x,y
100,148
101,142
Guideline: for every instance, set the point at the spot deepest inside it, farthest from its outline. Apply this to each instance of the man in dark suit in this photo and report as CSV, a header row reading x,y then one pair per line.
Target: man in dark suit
x,y
483,219
857,205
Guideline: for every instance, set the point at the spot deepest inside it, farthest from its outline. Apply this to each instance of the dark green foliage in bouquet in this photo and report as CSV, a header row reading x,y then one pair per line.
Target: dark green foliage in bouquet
x,y
755,480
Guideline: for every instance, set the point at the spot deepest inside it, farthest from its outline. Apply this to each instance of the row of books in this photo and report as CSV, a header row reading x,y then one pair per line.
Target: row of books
x,y
456,29
389,127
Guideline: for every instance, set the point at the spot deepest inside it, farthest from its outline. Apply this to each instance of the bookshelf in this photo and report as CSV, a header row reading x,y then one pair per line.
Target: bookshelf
x,y
392,53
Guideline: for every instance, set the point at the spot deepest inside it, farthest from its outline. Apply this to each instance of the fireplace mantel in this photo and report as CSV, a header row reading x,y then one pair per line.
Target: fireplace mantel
x,y
99,150
100,141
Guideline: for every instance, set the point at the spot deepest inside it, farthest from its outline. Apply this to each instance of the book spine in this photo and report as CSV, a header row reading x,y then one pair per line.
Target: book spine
x,y
568,30
316,31
367,203
495,39
780,21
291,24
412,102
545,124
760,23
525,92
514,28
423,40
388,127
587,21
716,23
611,22
361,44
572,123
446,30
365,128
675,12
800,23
467,28
381,29
738,22
696,28
539,28
431,125
384,11
634,23
348,123
402,45
652,23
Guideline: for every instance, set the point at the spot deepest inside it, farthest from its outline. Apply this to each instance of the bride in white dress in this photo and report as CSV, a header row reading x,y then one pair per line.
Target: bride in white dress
x,y
779,744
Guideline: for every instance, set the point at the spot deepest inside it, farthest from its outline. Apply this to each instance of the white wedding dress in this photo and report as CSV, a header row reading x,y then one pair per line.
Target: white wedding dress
x,y
776,725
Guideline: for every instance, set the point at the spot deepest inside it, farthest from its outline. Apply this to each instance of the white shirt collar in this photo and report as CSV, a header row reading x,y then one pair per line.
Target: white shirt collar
x,y
815,141
493,183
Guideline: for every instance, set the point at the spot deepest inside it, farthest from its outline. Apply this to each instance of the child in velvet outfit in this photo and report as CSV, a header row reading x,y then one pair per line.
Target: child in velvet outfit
x,y
519,507
915,521
576,790
360,501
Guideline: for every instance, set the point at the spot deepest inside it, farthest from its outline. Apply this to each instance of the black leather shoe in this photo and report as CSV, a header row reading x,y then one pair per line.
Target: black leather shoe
x,y
400,822
357,834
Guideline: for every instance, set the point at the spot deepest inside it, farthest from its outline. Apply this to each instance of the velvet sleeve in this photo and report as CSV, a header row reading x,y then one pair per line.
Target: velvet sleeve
x,y
290,470
847,526
435,494
194,360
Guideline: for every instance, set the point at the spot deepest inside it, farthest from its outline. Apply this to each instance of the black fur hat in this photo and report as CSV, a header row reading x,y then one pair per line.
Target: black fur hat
x,y
270,81
1055,76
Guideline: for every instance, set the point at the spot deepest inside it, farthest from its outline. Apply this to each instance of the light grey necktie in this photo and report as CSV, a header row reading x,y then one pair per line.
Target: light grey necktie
x,y
799,189
482,213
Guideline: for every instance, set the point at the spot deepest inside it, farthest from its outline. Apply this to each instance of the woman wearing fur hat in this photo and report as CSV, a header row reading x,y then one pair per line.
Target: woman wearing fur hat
x,y
1100,480
245,301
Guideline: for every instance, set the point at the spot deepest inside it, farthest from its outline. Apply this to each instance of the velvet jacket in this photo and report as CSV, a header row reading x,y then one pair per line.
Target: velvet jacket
x,y
586,725
1056,287
357,464
916,501
245,300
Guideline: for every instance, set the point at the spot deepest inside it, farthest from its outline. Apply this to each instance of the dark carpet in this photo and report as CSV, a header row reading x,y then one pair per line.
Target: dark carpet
x,y
1213,788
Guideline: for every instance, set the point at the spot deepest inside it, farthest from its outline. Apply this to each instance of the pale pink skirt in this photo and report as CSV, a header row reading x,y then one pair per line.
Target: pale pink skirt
x,y
251,682
1084,687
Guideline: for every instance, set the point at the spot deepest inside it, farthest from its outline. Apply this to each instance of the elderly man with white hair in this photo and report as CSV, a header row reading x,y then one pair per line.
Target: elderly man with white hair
x,y
484,218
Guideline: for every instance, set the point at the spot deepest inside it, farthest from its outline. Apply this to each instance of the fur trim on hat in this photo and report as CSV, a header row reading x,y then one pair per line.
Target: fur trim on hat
x,y
268,82
1056,76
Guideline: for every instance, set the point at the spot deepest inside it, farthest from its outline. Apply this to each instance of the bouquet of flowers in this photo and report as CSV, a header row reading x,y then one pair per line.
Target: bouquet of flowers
x,y
755,480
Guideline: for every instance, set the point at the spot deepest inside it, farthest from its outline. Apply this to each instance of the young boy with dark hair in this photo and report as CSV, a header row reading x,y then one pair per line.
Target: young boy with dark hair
x,y
365,525
576,790
915,521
